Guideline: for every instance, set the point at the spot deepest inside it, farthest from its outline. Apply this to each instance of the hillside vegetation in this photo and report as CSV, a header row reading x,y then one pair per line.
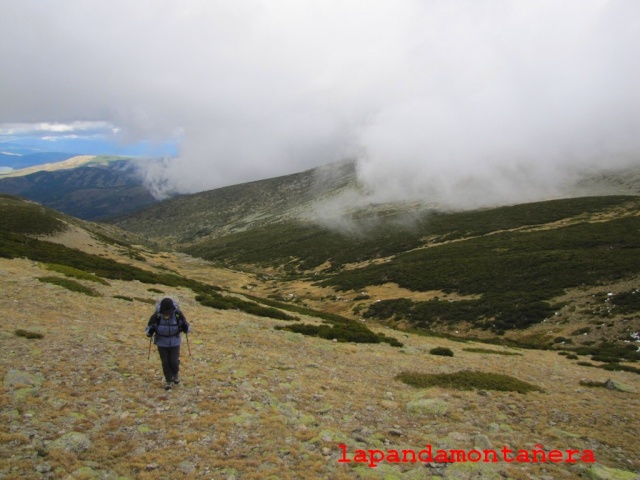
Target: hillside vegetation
x,y
188,219
82,392
507,267
25,226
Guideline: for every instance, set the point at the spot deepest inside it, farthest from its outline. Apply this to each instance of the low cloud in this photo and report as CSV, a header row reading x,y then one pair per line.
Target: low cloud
x,y
464,103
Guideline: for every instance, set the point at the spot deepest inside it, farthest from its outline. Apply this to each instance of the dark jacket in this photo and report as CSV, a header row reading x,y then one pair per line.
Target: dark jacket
x,y
167,331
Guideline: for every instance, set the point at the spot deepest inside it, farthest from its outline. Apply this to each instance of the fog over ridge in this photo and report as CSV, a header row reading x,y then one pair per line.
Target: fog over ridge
x,y
464,103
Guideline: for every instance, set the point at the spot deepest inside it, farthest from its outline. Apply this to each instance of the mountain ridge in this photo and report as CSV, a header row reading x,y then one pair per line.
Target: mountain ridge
x,y
241,207
330,195
88,187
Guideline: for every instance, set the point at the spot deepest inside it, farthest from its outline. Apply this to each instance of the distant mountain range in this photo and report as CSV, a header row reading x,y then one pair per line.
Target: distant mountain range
x,y
87,187
101,187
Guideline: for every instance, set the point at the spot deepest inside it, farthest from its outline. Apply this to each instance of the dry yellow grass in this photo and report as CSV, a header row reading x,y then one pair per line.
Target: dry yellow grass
x,y
258,403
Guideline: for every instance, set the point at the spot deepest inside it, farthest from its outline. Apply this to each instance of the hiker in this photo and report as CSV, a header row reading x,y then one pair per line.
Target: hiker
x,y
166,325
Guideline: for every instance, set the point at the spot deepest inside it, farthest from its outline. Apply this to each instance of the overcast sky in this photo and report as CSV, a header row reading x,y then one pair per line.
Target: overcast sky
x,y
463,101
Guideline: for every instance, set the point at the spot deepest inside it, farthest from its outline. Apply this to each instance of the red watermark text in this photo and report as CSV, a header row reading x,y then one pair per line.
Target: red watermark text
x,y
373,457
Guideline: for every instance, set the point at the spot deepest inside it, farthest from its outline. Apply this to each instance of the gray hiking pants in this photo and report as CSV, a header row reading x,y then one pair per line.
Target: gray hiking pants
x,y
170,358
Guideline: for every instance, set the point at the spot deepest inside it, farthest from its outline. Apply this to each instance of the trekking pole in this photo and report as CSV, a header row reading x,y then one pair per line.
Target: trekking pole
x,y
149,354
188,346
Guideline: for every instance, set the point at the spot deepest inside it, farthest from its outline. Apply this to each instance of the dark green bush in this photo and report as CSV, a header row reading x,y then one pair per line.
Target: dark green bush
x,y
626,302
342,330
614,367
75,273
443,351
605,359
215,300
122,297
607,351
590,383
28,334
70,285
489,351
581,331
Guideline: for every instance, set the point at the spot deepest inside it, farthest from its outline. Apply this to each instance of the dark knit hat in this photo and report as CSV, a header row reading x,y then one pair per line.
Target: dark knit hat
x,y
167,305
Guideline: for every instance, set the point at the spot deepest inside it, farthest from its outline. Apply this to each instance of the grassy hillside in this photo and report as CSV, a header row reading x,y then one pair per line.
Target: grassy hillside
x,y
489,272
82,392
25,226
189,219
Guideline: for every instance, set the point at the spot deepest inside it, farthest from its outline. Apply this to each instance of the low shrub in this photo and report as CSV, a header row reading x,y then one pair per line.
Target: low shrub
x,y
615,367
468,380
28,334
489,351
70,285
442,351
605,359
215,300
349,331
609,352
590,383
627,302
581,331
122,297
75,273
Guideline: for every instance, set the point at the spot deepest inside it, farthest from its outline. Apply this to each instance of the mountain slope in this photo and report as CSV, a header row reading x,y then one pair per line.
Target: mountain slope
x,y
330,195
85,187
490,273
82,392
502,270
189,218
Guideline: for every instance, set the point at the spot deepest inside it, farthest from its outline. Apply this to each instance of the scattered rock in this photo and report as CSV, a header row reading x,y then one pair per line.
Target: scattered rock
x,y
91,473
17,379
427,406
187,467
482,442
389,404
471,470
618,386
600,472
72,442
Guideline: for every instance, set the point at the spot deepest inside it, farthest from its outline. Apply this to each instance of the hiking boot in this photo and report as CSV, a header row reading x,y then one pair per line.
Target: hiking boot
x,y
168,386
176,379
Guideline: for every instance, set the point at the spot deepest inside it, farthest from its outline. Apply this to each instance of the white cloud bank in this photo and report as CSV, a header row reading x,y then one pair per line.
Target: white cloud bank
x,y
461,102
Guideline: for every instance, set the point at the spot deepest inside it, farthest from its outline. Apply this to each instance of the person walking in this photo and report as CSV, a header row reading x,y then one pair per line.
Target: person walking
x,y
166,326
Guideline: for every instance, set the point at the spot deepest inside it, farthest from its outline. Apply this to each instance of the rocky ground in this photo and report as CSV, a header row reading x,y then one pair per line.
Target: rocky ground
x,y
85,401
